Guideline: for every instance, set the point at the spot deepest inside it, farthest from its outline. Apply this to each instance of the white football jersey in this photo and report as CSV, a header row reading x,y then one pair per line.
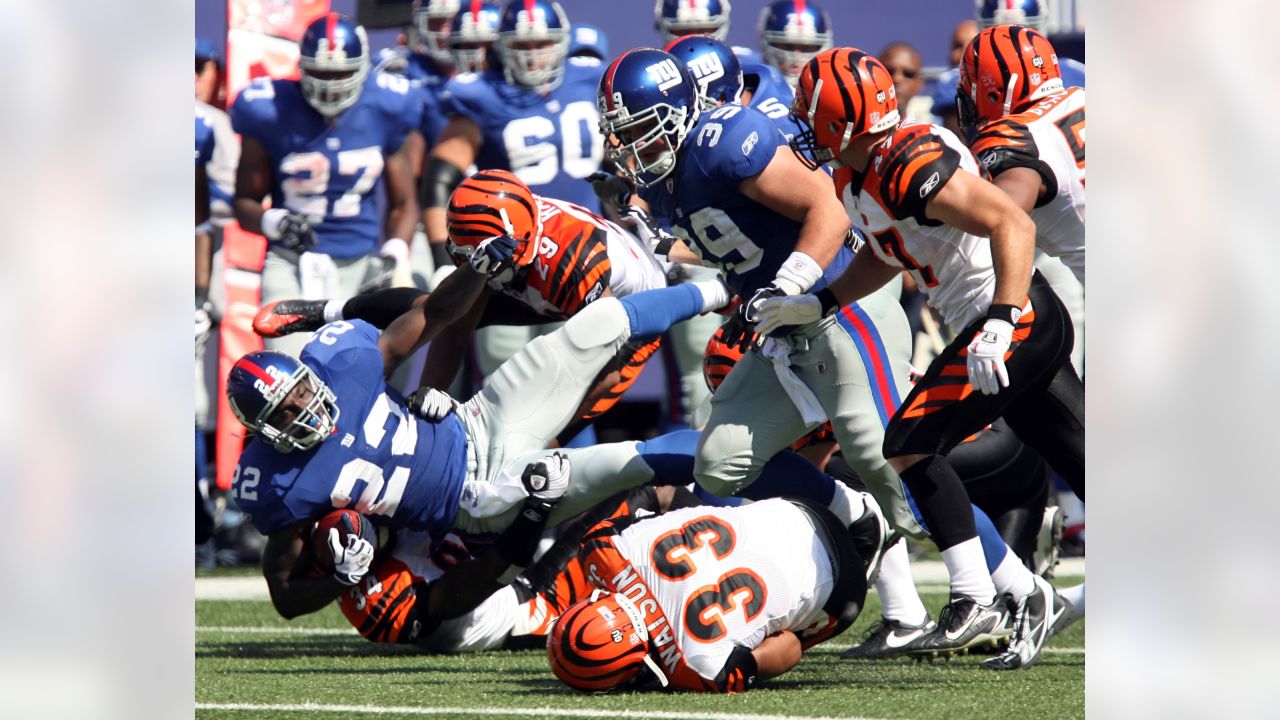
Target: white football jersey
x,y
1049,138
952,268
722,577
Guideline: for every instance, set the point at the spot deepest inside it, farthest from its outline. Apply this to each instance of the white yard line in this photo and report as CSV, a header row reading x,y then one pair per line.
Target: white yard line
x,y
930,576
516,712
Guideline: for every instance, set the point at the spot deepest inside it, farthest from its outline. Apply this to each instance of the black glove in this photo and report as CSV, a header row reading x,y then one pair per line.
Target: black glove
x,y
431,404
738,333
494,255
739,672
296,234
611,189
750,309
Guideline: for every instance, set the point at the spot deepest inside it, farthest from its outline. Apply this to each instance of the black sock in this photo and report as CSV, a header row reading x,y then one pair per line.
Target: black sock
x,y
382,307
942,501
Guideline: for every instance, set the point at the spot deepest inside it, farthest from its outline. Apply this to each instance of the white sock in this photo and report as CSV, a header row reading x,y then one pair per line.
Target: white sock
x,y
968,570
1012,577
714,294
897,590
847,504
1075,596
333,310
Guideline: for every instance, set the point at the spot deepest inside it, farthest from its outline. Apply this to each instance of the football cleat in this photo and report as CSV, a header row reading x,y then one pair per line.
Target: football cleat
x,y
1039,617
963,624
285,317
1045,557
872,536
889,639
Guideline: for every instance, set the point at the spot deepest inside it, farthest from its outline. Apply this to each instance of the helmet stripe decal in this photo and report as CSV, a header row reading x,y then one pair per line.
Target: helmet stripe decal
x,y
244,364
330,26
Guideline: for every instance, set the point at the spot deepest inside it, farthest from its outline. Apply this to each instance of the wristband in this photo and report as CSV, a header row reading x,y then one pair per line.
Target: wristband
x,y
1007,313
828,300
518,542
438,182
271,220
799,272
440,255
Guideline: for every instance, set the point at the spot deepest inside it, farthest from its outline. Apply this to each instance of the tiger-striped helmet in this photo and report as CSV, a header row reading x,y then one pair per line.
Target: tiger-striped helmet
x,y
719,357
1003,70
598,644
843,94
490,203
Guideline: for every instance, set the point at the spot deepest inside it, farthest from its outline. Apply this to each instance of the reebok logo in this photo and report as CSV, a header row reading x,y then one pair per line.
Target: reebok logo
x,y
930,184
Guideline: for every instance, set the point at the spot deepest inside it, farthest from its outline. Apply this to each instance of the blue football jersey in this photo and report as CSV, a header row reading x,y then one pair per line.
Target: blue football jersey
x,y
382,460
771,95
709,213
426,81
204,139
746,56
1072,72
329,171
551,142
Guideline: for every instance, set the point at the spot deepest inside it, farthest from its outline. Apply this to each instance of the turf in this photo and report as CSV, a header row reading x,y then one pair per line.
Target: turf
x,y
262,659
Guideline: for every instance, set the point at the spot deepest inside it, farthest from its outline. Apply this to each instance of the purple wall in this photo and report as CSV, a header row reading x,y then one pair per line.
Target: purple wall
x,y
869,24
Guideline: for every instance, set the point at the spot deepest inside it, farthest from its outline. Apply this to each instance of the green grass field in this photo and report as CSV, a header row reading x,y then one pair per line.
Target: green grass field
x,y
250,663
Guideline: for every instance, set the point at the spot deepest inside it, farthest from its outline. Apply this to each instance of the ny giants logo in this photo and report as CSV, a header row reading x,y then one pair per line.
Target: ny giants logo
x,y
666,73
706,68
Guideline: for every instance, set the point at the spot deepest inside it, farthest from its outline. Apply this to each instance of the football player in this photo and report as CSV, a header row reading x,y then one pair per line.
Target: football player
x,y
1031,133
708,599
792,32
579,257
472,33
321,147
1033,14
331,434
674,19
916,191
737,196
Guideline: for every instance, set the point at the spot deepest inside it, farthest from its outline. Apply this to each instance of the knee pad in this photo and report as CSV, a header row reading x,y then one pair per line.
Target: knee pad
x,y
603,322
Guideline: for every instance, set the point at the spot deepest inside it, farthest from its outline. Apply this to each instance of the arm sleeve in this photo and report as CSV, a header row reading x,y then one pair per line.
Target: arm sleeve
x,y
1005,144
916,166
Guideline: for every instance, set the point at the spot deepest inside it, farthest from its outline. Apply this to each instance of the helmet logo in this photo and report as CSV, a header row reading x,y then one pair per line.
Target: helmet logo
x,y
616,635
695,10
666,73
325,52
880,97
533,20
1037,61
707,68
874,116
1034,78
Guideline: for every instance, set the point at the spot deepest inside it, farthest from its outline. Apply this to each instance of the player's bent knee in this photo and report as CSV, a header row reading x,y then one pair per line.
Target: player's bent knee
x,y
603,322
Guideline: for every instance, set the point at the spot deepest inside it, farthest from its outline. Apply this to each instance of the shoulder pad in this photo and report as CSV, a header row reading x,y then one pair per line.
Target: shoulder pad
x,y
910,169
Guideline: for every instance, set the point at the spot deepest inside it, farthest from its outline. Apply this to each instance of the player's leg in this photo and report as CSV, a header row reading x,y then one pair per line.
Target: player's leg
x,y
1066,277
280,282
752,419
688,342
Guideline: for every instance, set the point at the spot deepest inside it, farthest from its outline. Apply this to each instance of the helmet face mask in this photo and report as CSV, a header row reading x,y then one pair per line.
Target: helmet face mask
x,y
677,18
1029,13
429,33
333,63
533,43
282,400
648,104
792,32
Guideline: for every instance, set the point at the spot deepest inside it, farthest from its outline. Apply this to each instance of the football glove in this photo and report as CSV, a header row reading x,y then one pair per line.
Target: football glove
x,y
642,224
611,189
738,333
289,229
739,672
987,372
494,255
777,311
431,404
750,310
350,561
548,478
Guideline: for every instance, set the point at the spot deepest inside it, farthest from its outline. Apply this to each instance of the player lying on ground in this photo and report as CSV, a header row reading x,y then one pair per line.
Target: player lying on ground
x,y
708,599
331,434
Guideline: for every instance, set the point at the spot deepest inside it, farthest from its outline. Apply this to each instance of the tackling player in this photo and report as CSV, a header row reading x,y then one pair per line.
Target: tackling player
x,y
916,191
1031,133
321,147
708,599
736,195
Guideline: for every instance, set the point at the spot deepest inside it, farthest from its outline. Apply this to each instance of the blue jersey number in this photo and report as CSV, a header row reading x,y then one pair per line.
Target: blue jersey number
x,y
537,161
717,235
308,176
381,495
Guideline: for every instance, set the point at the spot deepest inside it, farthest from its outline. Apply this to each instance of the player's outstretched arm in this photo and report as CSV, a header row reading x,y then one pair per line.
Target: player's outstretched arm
x,y
286,560
976,206
790,189
456,294
447,350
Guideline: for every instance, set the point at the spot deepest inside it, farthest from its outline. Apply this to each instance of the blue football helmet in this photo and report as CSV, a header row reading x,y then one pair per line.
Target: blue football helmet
x,y
791,33
538,68
473,31
429,31
713,66
588,40
333,63
1031,13
257,387
676,18
648,103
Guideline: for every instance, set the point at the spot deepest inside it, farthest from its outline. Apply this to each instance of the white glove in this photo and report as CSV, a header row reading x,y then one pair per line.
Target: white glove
x,y
350,563
431,404
781,310
986,356
548,478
